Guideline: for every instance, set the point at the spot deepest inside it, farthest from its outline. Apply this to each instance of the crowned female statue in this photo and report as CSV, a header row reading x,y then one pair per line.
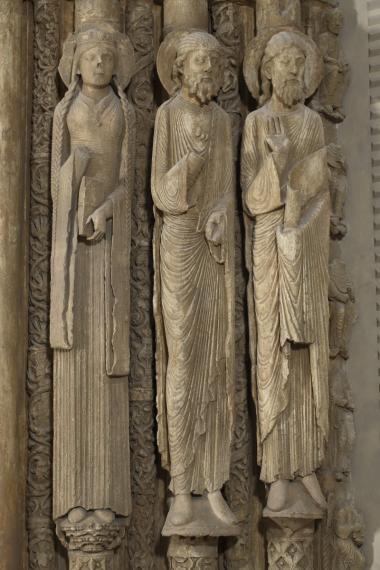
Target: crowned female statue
x,y
92,165
193,193
286,200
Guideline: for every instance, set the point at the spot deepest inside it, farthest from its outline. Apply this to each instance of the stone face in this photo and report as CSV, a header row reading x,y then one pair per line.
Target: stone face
x,y
92,184
14,87
193,193
285,192
307,170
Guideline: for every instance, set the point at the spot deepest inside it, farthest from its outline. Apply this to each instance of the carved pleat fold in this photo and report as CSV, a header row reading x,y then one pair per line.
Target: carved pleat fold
x,y
90,409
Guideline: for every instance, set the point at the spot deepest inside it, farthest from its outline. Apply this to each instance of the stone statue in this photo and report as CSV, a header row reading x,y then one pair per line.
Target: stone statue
x,y
271,13
348,539
338,190
92,164
329,98
284,179
193,193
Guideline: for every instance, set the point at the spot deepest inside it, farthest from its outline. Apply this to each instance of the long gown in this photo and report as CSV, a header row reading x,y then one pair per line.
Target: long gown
x,y
91,465
193,299
288,296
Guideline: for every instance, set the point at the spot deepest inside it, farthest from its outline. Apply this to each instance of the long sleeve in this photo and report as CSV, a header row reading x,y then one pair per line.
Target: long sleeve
x,y
169,184
259,177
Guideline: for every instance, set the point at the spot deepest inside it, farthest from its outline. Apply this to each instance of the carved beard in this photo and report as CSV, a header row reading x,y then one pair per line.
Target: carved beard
x,y
289,92
203,89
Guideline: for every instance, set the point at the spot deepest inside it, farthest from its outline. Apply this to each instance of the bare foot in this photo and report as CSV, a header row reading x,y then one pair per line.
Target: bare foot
x,y
181,511
313,487
77,515
220,508
105,515
278,494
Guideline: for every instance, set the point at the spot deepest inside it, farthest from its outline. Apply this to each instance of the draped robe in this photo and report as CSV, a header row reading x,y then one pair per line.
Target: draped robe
x,y
288,295
89,320
193,298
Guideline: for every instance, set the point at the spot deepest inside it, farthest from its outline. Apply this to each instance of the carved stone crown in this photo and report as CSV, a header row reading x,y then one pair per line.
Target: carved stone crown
x,y
106,14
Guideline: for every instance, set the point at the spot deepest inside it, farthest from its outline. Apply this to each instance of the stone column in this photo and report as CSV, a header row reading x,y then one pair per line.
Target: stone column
x,y
91,542
13,273
193,553
290,544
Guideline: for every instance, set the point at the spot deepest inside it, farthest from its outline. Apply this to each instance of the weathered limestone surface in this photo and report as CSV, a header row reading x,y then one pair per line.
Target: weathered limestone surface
x,y
13,272
355,136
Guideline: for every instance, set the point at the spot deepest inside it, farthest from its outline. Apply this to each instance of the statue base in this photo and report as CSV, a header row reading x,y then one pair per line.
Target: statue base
x,y
92,542
204,523
193,553
290,532
290,544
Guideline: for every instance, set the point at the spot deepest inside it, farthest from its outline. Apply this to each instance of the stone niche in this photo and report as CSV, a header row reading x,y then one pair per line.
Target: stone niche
x,y
178,223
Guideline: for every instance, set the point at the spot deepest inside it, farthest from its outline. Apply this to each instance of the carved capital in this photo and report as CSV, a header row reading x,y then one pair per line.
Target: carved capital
x,y
193,553
290,544
91,542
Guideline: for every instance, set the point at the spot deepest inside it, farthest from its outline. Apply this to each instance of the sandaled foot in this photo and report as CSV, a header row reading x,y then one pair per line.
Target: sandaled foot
x,y
313,487
278,494
221,509
181,511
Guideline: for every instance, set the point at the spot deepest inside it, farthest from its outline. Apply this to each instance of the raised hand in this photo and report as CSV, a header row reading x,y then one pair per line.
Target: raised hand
x,y
276,139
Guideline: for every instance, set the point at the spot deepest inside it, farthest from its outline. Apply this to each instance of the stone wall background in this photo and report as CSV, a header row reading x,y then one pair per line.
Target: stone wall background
x,y
360,139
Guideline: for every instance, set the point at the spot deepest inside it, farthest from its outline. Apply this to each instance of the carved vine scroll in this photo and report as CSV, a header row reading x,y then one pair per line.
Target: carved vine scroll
x,y
141,534
39,375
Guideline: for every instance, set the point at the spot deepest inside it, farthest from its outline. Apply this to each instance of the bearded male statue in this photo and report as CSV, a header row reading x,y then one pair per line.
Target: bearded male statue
x,y
193,193
286,199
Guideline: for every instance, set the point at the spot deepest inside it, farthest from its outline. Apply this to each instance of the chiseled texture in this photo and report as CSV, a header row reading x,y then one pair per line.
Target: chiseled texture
x,y
91,415
193,299
289,292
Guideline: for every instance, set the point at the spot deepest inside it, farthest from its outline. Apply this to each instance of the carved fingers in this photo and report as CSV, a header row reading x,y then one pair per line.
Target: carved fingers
x,y
215,230
200,142
99,221
276,139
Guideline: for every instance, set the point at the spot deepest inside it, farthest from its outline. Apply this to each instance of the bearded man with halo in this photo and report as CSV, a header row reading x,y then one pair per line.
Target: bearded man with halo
x,y
193,193
286,200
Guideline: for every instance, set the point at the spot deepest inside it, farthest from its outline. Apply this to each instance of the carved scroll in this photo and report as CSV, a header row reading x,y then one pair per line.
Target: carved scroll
x,y
141,533
45,98
340,535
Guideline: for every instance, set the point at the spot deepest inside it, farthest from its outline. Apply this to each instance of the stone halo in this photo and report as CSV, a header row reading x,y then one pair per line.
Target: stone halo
x,y
125,66
255,52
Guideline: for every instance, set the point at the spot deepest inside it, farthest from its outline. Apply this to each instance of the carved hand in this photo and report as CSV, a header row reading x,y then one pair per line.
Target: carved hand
x,y
99,221
278,143
216,227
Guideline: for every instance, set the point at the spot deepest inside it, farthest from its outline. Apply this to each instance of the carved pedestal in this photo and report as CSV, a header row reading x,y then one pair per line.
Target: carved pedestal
x,y
193,553
92,542
290,544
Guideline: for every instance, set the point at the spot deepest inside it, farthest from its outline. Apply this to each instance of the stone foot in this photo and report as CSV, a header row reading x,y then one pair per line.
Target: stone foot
x,y
77,515
220,508
278,494
181,511
311,484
